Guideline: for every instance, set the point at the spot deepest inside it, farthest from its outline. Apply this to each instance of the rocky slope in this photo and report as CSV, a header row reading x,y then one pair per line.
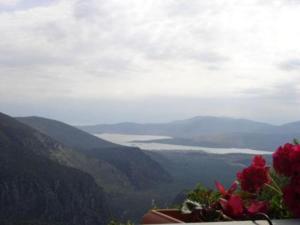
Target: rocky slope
x,y
35,188
129,164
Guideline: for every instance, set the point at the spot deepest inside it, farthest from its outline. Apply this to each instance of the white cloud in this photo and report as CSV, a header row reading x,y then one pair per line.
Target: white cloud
x,y
9,3
135,49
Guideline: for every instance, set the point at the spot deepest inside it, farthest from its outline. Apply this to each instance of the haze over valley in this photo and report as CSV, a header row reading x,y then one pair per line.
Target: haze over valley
x,y
203,131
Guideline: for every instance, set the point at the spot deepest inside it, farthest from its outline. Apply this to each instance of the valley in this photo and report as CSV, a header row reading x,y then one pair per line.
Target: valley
x,y
209,131
130,171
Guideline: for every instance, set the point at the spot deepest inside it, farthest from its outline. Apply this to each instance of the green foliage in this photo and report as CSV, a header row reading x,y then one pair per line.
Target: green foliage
x,y
204,201
273,195
280,181
202,204
296,141
203,195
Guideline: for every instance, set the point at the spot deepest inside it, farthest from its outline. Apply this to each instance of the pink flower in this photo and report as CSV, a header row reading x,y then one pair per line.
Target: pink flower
x,y
258,161
295,160
282,160
257,207
233,207
254,177
226,193
291,196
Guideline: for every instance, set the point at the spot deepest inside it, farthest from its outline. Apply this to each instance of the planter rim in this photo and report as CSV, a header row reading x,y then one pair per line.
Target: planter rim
x,y
247,222
160,213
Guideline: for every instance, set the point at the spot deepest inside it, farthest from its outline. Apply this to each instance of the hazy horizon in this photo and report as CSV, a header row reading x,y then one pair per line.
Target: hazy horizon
x,y
88,62
144,121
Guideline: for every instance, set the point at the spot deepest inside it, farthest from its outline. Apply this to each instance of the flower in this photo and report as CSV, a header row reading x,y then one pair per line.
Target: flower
x,y
258,161
257,207
295,160
226,193
280,196
254,177
282,160
291,196
233,207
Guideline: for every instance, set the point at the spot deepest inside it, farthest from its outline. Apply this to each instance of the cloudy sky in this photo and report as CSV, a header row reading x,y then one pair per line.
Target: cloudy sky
x,y
98,61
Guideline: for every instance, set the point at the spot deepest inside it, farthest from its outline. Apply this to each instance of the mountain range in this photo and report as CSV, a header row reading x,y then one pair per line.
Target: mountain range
x,y
210,131
134,166
36,188
53,173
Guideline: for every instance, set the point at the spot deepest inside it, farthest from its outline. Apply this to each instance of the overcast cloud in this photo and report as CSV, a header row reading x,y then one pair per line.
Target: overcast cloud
x,y
97,61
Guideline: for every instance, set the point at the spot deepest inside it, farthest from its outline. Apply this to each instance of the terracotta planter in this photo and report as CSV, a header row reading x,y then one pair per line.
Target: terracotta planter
x,y
162,216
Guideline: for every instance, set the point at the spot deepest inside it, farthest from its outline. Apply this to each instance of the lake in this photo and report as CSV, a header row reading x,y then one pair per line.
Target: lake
x,y
137,141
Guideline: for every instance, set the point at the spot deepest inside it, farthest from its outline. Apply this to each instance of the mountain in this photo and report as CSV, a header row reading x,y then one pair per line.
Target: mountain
x,y
128,176
35,188
66,134
140,169
184,128
218,132
293,127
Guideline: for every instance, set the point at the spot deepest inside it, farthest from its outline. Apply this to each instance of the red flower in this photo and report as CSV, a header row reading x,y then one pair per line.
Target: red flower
x,y
226,193
286,160
258,161
291,196
295,160
254,177
257,207
282,160
233,207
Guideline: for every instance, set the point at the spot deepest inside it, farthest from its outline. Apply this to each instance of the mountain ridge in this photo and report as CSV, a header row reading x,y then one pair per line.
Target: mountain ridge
x,y
210,131
35,187
126,174
183,128
140,169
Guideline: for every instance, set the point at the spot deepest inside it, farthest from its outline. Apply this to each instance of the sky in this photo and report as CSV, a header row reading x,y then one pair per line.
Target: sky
x,y
108,61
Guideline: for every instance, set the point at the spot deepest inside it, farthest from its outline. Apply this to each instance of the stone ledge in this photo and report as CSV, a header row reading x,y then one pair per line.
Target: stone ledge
x,y
258,222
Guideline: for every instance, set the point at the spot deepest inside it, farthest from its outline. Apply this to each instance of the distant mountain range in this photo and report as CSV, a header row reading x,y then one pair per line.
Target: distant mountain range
x,y
53,173
180,128
209,131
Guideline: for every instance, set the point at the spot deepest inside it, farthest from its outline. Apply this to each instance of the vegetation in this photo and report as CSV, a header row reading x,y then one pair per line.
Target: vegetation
x,y
257,192
34,188
130,166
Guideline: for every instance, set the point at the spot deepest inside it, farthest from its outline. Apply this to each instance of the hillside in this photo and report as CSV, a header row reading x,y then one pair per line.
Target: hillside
x,y
66,134
140,169
293,127
127,175
35,188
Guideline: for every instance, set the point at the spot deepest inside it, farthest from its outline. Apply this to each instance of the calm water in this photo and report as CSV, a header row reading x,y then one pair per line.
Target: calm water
x,y
129,140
